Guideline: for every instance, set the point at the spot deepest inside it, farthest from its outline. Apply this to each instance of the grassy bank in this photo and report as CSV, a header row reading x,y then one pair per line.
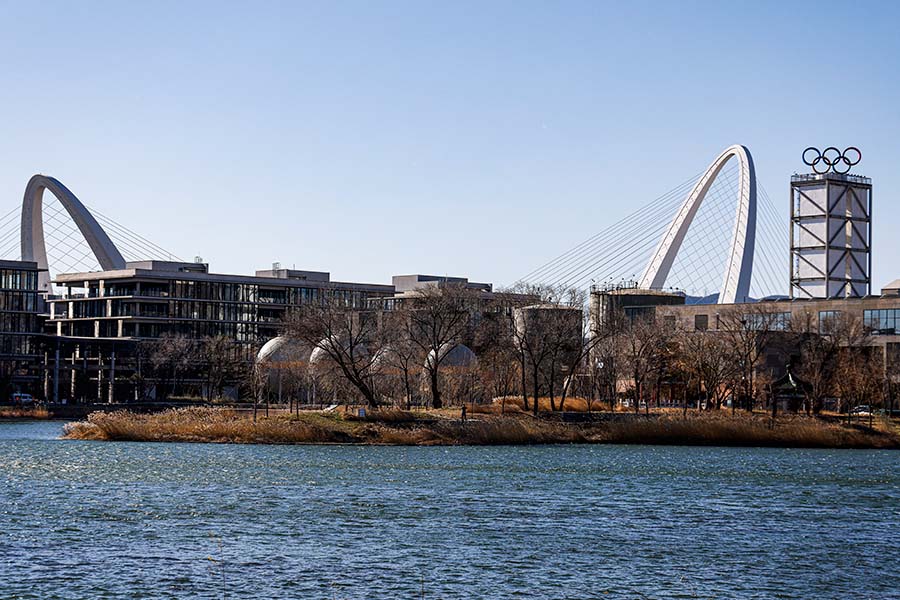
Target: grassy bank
x,y
396,427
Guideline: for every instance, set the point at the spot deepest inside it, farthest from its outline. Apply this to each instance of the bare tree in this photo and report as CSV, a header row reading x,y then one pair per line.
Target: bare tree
x,y
561,330
857,368
819,342
705,357
437,318
220,360
534,353
748,330
644,348
498,358
401,355
348,339
606,362
171,356
579,346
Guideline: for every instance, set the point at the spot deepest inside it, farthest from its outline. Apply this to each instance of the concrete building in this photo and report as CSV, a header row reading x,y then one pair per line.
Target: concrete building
x,y
407,283
632,301
880,316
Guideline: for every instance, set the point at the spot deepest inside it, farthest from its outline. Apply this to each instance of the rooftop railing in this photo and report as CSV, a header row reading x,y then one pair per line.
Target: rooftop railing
x,y
833,176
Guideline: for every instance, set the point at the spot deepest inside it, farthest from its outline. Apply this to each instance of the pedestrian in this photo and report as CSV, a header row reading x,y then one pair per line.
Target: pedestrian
x,y
464,412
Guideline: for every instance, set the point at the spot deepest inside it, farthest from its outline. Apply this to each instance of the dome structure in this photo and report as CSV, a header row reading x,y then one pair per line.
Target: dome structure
x,y
279,350
454,356
320,353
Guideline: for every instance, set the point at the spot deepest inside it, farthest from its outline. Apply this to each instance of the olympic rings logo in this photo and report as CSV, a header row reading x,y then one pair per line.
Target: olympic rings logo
x,y
832,159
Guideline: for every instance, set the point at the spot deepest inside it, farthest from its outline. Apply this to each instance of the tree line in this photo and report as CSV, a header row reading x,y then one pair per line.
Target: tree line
x,y
446,345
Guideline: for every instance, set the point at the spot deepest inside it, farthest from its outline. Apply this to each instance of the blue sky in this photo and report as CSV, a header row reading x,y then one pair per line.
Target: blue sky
x,y
461,138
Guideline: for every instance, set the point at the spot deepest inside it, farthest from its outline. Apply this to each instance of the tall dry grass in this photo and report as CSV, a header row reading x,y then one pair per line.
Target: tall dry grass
x,y
193,425
397,427
12,412
743,430
384,415
515,403
378,427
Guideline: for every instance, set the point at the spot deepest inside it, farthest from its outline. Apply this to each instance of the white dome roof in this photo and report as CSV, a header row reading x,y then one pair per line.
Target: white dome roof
x,y
279,349
319,354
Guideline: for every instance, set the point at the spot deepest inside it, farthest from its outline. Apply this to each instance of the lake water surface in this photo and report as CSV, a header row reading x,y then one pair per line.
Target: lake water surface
x,y
124,520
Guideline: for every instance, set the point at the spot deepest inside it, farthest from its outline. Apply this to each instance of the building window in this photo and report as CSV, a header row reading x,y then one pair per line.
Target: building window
x,y
882,321
633,313
827,319
780,321
701,322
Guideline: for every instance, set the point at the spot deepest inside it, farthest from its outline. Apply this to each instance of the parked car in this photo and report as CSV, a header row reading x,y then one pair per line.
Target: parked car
x,y
863,410
20,399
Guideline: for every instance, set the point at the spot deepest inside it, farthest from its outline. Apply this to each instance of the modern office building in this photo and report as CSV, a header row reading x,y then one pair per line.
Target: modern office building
x,y
147,299
101,317
20,327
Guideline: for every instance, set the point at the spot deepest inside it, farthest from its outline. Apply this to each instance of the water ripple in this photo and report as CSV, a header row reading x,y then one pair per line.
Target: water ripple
x,y
122,520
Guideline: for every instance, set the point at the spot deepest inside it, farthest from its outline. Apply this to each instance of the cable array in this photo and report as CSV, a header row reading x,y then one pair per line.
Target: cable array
x,y
620,252
67,250
613,247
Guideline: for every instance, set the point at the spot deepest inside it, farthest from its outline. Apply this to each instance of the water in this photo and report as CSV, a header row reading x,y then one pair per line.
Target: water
x,y
123,520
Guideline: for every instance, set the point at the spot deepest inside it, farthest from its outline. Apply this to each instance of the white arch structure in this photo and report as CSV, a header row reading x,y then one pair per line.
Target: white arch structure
x,y
739,267
34,248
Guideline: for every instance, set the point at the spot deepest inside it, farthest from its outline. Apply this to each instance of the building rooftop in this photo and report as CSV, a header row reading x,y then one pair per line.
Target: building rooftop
x,y
814,177
155,270
19,264
891,289
407,283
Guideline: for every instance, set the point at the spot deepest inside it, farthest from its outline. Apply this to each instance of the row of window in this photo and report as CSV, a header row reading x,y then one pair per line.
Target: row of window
x,y
882,320
212,307
774,321
18,322
24,301
14,279
242,332
780,321
235,292
17,345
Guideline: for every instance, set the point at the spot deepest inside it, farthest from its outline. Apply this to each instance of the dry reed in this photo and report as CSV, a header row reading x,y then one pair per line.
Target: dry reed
x,y
744,430
24,413
396,427
572,404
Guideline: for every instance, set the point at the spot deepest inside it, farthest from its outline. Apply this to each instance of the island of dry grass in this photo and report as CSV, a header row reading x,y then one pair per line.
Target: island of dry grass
x,y
398,427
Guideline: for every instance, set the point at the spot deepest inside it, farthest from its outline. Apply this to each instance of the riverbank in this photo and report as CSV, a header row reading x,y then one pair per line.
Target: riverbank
x,y
397,427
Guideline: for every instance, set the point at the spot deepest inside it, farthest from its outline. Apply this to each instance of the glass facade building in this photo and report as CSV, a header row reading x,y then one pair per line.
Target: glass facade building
x,y
20,326
151,298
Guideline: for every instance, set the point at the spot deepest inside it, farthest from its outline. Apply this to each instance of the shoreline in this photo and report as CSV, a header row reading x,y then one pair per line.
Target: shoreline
x,y
394,427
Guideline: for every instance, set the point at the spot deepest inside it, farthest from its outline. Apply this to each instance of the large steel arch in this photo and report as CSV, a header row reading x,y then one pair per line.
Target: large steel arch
x,y
739,266
34,247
